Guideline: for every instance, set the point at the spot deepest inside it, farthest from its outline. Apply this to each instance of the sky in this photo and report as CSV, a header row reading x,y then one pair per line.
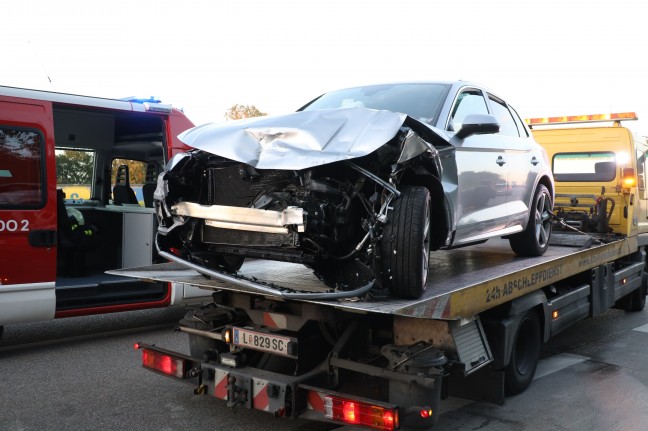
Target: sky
x,y
549,58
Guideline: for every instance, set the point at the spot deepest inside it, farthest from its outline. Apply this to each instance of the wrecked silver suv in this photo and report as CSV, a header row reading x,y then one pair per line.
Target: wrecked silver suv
x,y
359,185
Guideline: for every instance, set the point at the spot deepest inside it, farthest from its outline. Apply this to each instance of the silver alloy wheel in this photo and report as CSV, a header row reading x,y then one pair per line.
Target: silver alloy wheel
x,y
543,220
426,246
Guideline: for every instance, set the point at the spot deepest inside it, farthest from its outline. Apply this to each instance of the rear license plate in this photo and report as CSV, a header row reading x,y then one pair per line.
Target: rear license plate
x,y
277,344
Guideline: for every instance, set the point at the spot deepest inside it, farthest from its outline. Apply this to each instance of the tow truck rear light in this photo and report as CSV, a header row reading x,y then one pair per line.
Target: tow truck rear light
x,y
360,413
628,177
568,119
164,363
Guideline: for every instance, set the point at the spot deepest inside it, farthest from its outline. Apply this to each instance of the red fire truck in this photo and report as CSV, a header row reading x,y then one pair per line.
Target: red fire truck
x,y
70,167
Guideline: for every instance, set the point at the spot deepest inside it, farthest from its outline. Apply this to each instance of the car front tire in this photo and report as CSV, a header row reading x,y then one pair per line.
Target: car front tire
x,y
405,245
534,240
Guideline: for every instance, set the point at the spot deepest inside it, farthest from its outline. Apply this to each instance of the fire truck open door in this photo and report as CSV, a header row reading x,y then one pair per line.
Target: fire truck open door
x,y
28,232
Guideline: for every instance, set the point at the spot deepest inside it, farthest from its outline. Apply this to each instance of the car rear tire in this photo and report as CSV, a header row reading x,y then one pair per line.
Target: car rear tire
x,y
524,355
534,240
405,245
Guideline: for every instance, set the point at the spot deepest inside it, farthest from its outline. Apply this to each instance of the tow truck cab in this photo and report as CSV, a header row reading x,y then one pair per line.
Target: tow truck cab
x,y
599,170
76,178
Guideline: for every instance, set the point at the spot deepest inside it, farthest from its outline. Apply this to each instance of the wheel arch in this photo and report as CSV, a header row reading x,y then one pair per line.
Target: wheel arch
x,y
440,214
502,324
548,183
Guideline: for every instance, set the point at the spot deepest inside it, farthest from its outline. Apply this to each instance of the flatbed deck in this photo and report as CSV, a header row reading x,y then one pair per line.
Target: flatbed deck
x,y
461,283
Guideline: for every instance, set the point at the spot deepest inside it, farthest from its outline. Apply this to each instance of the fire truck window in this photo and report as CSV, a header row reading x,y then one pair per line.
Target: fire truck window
x,y
504,117
74,173
21,168
136,174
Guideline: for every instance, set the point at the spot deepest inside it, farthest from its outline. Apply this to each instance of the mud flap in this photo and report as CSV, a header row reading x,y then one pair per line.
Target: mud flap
x,y
485,384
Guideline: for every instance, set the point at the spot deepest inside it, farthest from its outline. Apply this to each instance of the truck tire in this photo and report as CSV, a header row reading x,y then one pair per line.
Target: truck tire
x,y
534,240
524,355
200,346
405,245
637,299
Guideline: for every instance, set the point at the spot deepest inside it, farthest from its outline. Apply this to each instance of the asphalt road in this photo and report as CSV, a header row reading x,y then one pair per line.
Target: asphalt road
x,y
83,374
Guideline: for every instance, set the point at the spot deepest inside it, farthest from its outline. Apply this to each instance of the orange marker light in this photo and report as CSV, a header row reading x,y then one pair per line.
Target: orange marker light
x,y
568,119
629,179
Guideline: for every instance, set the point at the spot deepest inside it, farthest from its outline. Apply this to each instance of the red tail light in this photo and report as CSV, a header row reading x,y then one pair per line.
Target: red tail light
x,y
360,413
167,364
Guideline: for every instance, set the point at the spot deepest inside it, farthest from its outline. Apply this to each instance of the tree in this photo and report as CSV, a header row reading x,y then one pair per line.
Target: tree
x,y
237,112
136,170
74,167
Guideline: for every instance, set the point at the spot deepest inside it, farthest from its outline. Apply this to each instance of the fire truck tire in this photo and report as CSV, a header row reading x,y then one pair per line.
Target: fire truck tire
x,y
534,240
405,245
524,355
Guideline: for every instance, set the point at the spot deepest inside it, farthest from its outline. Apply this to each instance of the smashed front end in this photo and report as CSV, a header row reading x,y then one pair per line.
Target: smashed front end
x,y
312,188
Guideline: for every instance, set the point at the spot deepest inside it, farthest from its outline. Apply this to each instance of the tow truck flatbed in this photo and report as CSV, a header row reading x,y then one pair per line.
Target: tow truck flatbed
x,y
461,282
275,332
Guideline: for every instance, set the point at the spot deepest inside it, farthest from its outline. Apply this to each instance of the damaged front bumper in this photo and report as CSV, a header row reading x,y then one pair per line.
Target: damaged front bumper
x,y
238,218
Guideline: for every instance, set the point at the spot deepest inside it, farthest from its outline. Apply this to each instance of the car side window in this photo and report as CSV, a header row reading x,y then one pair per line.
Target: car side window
x,y
520,124
467,102
504,117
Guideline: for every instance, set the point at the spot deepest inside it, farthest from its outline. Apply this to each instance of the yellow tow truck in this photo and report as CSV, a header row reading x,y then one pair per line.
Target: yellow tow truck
x,y
477,332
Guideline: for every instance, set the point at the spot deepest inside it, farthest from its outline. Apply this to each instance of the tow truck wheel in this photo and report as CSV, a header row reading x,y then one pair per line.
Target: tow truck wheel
x,y
200,346
405,245
637,299
534,240
525,354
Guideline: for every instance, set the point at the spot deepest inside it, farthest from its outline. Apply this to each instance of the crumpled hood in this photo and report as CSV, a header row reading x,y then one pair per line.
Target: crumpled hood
x,y
303,139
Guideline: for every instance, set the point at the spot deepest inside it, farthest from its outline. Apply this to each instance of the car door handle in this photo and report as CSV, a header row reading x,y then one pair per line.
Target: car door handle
x,y
534,161
500,161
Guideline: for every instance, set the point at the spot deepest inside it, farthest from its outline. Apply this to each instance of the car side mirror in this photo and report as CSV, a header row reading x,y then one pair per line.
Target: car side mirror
x,y
478,124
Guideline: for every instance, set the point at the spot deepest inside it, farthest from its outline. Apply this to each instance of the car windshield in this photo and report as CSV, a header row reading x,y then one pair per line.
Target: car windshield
x,y
421,101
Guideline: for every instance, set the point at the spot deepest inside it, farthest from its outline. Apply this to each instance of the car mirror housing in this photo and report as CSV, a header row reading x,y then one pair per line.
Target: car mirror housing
x,y
478,124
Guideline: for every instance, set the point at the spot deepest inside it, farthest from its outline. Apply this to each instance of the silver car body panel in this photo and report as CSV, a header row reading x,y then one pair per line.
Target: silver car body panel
x,y
306,139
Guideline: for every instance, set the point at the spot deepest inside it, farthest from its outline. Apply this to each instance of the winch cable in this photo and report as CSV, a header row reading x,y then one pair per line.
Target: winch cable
x,y
591,240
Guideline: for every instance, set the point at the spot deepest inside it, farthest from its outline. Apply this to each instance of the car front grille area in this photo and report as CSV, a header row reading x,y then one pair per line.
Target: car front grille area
x,y
239,185
214,235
